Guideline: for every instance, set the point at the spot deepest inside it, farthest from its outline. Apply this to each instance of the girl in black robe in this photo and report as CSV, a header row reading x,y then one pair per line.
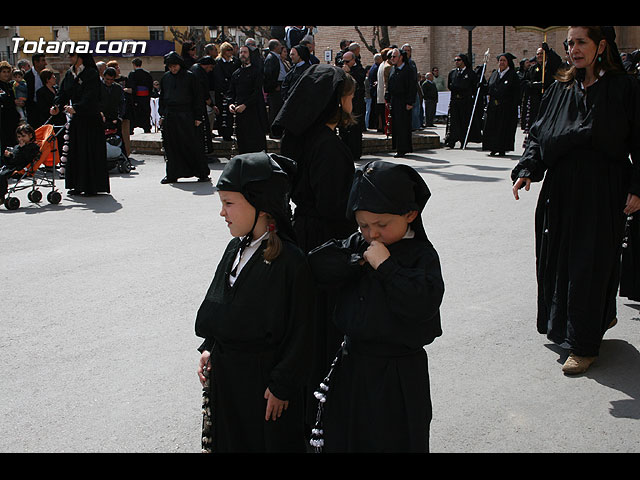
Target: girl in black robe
x,y
502,110
320,101
389,288
181,112
86,170
581,144
256,316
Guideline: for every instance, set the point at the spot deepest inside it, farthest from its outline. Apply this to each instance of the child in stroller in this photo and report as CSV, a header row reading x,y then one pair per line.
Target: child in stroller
x,y
18,157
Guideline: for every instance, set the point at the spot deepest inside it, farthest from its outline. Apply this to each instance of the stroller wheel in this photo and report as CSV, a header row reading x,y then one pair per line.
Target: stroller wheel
x,y
12,203
34,196
54,197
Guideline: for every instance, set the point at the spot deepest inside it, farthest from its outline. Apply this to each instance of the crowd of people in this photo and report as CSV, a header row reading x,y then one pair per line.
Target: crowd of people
x,y
315,322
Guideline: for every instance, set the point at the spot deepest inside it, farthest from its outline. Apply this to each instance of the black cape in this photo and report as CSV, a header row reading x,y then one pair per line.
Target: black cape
x,y
379,393
259,334
580,145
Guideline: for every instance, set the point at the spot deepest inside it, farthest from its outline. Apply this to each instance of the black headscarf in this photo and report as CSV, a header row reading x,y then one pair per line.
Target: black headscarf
x,y
88,60
173,58
609,34
303,51
316,89
264,180
385,187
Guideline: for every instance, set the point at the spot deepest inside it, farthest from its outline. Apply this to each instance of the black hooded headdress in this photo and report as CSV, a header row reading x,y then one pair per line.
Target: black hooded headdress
x,y
385,187
264,180
303,51
316,90
173,58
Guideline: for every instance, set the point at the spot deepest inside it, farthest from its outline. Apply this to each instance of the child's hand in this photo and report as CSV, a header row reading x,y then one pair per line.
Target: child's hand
x,y
376,254
204,358
275,406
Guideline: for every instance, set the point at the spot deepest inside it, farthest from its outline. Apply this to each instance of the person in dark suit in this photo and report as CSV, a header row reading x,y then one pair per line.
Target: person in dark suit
x,y
34,83
402,94
430,93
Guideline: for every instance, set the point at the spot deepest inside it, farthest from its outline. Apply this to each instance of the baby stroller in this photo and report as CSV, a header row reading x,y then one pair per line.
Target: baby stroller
x,y
41,172
115,152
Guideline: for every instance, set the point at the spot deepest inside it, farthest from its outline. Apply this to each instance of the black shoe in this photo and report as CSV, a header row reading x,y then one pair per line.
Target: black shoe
x,y
204,179
166,180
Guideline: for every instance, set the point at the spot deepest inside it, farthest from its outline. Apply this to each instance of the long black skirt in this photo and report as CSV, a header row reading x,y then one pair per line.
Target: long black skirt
x,y
378,403
458,120
579,230
86,169
500,127
240,379
183,147
250,132
401,140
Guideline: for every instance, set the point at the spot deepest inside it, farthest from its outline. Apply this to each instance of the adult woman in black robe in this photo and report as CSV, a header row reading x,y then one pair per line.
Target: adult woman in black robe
x,y
462,83
401,93
320,101
503,90
181,112
86,170
378,395
581,144
256,316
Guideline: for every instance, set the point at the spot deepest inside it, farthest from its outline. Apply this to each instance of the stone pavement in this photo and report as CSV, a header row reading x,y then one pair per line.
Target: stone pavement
x,y
98,353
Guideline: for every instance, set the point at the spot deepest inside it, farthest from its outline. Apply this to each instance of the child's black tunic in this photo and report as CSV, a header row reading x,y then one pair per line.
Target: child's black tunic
x,y
379,396
259,333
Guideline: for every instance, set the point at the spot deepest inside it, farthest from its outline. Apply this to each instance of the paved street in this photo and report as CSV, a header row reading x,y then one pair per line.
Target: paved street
x,y
98,351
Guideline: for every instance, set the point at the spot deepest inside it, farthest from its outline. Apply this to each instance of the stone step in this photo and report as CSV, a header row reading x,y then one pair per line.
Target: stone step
x,y
372,143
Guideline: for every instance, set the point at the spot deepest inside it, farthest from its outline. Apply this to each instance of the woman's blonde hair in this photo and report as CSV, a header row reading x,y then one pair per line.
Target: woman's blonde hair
x,y
225,47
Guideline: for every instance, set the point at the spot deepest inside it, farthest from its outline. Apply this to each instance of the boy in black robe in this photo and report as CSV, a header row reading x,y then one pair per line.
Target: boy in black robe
x,y
389,287
256,316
